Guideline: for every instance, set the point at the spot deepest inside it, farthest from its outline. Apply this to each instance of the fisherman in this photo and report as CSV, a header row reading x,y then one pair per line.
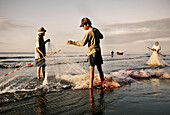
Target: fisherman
x,y
155,59
112,53
156,47
40,52
92,38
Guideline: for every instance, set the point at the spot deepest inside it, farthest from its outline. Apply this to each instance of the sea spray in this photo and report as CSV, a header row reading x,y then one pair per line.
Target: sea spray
x,y
165,75
77,81
45,82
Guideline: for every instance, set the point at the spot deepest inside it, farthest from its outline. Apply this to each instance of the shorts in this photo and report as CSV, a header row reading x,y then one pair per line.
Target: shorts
x,y
95,59
40,62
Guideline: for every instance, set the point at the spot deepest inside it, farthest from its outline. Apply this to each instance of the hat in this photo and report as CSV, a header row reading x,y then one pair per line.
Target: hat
x,y
84,21
41,30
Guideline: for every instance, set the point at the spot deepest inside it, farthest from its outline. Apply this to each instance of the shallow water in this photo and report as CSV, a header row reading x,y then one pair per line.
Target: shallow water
x,y
136,99
24,95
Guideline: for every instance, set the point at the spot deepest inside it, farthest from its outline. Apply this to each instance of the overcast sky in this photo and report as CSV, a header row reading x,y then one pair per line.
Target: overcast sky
x,y
118,20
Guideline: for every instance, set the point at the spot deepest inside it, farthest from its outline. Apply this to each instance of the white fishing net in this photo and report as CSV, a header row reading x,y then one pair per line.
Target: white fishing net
x,y
58,64
155,60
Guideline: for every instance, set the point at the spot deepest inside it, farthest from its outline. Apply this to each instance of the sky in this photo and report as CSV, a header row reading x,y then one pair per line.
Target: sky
x,y
127,25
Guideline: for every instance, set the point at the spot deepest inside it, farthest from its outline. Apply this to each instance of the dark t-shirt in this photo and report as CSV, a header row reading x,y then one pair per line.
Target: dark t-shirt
x,y
41,45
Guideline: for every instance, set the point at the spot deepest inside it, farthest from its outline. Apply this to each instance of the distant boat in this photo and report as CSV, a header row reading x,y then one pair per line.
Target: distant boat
x,y
120,53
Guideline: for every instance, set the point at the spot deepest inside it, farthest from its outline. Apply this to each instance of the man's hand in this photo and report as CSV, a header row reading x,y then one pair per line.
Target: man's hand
x,y
48,40
43,56
69,42
154,49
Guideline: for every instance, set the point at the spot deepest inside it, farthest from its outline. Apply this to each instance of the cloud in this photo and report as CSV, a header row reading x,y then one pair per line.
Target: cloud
x,y
137,32
124,29
152,40
6,23
144,26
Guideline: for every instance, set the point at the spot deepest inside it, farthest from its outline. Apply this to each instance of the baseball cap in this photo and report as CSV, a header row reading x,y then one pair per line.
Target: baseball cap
x,y
41,30
84,21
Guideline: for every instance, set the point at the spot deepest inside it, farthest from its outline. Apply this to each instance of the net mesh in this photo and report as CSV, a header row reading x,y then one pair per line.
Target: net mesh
x,y
58,64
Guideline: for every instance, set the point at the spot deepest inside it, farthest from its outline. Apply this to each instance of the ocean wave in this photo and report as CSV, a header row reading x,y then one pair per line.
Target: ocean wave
x,y
14,65
11,65
126,58
16,95
20,63
16,61
19,57
121,76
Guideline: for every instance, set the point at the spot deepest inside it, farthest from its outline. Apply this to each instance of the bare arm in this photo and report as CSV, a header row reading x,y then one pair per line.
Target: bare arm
x,y
82,43
48,40
40,52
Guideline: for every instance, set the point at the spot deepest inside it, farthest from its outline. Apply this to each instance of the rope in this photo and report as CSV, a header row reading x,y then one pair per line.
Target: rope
x,y
83,66
158,52
66,47
29,64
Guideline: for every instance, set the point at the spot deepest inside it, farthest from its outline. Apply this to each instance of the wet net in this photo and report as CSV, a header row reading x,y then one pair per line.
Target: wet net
x,y
59,64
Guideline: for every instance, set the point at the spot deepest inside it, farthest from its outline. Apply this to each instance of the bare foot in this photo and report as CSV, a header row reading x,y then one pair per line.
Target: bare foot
x,y
90,87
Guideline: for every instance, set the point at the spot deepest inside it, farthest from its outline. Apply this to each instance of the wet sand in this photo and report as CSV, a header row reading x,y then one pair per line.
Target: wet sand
x,y
150,98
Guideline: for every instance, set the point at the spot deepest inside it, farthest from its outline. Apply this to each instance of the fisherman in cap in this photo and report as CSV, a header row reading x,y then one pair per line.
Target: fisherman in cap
x,y
92,38
40,52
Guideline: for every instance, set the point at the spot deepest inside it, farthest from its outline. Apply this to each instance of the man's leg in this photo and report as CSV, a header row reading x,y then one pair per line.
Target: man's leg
x,y
38,72
43,72
91,70
99,68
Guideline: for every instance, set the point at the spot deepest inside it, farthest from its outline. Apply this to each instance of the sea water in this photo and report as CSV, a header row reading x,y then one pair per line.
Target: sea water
x,y
65,91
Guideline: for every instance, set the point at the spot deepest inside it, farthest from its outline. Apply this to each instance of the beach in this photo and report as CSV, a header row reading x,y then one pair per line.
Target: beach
x,y
42,72
64,92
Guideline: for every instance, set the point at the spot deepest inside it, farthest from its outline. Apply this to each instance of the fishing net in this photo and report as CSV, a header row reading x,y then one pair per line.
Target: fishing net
x,y
59,64
155,60
64,69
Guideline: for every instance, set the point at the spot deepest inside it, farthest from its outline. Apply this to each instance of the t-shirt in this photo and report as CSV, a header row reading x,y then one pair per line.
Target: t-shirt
x,y
156,47
92,37
39,43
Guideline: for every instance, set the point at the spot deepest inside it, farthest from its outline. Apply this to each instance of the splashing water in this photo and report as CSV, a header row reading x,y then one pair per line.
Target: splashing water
x,y
49,51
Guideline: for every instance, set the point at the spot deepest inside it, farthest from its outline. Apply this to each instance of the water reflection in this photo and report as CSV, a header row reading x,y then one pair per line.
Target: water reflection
x,y
91,99
96,109
41,102
155,83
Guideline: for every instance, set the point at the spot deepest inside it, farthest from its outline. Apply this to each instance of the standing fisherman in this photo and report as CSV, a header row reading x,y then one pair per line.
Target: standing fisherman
x,y
92,38
112,53
40,52
155,59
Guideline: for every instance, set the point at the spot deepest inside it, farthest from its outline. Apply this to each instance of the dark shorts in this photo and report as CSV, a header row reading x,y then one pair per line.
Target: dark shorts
x,y
39,62
95,59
